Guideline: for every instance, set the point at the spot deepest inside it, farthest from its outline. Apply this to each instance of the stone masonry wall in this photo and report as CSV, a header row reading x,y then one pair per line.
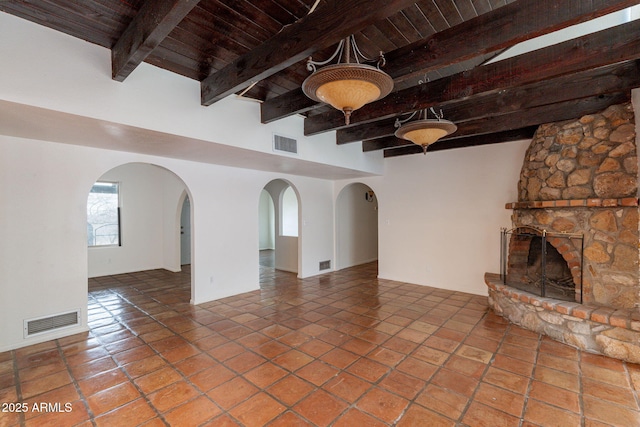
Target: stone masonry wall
x,y
593,157
607,331
581,176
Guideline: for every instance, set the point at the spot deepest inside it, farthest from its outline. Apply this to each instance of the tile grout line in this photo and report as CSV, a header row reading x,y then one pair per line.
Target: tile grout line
x,y
18,385
531,379
471,398
127,307
131,380
632,385
75,383
126,374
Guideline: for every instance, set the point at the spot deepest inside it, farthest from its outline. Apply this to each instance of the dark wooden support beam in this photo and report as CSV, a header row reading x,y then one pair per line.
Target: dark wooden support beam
x,y
153,23
371,130
489,32
603,48
285,105
329,24
470,141
384,143
599,81
533,117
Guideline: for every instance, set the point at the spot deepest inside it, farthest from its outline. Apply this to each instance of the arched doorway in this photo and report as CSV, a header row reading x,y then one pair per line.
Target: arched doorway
x,y
279,217
143,229
185,232
356,226
267,230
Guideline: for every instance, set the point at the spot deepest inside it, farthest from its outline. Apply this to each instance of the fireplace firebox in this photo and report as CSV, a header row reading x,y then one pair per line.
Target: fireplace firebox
x,y
532,263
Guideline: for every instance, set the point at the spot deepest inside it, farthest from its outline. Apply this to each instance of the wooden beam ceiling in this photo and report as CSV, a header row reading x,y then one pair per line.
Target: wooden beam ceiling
x,y
619,77
470,141
532,117
490,32
331,22
437,39
153,23
605,47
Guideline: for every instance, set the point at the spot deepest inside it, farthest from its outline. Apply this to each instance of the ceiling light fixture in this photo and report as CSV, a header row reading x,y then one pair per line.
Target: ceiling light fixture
x,y
347,85
424,131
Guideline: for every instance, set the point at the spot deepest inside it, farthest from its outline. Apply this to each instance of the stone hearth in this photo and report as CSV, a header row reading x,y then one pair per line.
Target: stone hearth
x,y
581,177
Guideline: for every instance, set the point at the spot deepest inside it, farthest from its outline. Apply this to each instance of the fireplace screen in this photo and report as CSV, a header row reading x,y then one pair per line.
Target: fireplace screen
x,y
542,263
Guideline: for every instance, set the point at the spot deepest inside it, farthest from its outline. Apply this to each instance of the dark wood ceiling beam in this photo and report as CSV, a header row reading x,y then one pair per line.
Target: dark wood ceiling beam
x,y
469,141
513,23
331,22
606,47
618,77
285,105
153,23
533,117
486,33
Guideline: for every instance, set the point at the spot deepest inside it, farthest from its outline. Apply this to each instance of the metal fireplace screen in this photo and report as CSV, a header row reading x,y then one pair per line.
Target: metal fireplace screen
x,y
542,263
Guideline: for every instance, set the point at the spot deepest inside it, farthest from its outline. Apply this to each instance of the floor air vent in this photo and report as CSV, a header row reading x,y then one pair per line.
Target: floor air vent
x,y
287,145
46,324
324,265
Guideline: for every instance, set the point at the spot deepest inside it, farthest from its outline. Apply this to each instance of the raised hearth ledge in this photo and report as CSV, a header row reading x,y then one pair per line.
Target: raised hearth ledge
x,y
574,203
601,330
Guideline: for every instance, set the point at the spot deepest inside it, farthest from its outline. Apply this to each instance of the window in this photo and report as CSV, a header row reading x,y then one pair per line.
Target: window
x,y
103,215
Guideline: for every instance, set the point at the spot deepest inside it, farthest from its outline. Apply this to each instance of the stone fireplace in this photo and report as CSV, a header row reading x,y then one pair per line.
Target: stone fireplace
x,y
579,178
536,266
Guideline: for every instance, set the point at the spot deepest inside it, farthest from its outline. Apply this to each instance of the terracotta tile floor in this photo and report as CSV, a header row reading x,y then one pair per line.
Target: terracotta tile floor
x,y
342,349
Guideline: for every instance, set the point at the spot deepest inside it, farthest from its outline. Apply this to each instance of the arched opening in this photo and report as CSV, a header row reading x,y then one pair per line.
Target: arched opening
x,y
289,217
185,232
267,230
146,235
279,220
356,226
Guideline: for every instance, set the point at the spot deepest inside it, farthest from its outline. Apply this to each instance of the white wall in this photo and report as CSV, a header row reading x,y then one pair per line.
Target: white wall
x,y
43,253
149,199
428,205
356,227
48,69
266,216
289,216
440,215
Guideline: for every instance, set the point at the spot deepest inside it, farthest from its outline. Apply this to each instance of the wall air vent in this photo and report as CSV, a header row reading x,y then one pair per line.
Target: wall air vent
x,y
324,265
284,144
50,323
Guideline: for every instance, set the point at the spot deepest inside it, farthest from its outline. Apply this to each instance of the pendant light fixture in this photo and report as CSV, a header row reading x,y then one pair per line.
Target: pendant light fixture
x,y
424,131
347,85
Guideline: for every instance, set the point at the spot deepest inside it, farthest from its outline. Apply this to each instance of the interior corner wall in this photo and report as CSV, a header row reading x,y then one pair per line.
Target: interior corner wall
x,y
149,197
440,215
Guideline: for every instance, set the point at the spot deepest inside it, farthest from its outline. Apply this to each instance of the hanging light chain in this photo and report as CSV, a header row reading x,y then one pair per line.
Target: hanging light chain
x,y
311,64
421,113
343,48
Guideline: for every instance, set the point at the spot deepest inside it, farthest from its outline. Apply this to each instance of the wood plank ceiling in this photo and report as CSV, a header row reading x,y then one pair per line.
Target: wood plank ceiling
x,y
436,52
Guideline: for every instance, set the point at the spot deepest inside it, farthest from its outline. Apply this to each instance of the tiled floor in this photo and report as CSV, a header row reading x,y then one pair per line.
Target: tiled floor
x,y
342,349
